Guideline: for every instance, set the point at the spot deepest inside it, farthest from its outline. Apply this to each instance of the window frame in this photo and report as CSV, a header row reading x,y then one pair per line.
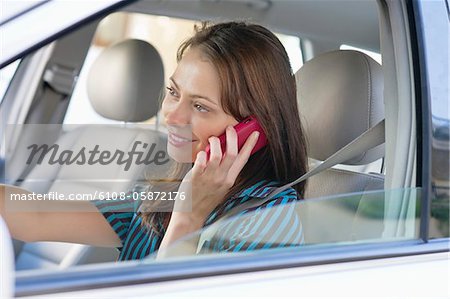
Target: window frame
x,y
425,109
423,124
138,273
16,65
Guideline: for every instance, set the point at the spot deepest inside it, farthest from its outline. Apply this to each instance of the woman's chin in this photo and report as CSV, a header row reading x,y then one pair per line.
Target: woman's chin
x,y
181,155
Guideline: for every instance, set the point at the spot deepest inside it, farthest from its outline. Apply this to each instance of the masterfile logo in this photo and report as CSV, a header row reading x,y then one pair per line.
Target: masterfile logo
x,y
141,153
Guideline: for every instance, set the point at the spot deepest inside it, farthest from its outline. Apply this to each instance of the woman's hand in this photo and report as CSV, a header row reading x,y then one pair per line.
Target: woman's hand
x,y
207,184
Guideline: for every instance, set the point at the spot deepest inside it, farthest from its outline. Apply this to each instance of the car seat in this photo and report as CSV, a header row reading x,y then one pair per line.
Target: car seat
x,y
340,96
124,84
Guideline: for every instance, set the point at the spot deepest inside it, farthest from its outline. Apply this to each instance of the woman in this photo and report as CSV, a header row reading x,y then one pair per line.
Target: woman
x,y
225,73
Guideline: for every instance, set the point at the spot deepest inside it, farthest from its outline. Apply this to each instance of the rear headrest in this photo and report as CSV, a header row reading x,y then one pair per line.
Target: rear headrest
x,y
340,95
126,80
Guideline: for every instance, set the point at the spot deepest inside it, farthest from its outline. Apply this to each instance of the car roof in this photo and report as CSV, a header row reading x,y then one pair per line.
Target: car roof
x,y
43,22
333,20
355,22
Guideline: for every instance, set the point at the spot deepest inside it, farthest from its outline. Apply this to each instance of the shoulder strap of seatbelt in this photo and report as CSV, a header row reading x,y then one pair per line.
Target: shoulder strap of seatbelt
x,y
364,142
367,140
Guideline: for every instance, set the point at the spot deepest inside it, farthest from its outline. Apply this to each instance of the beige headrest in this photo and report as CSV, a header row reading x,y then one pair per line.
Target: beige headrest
x,y
340,96
126,80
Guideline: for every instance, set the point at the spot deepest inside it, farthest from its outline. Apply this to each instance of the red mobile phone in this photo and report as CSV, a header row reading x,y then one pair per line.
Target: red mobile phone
x,y
243,130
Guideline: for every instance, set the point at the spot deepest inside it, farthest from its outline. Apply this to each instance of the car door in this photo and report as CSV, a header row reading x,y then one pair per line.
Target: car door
x,y
394,242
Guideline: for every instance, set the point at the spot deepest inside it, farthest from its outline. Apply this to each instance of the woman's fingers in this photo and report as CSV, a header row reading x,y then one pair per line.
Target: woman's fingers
x,y
243,156
215,154
231,148
199,163
225,169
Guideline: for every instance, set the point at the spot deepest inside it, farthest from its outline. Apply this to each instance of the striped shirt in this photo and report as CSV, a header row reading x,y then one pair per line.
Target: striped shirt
x,y
255,228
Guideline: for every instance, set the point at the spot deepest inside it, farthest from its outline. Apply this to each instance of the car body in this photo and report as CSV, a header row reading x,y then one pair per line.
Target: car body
x,y
406,254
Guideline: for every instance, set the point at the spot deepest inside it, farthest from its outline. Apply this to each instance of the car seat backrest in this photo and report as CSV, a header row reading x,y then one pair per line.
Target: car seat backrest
x,y
340,95
126,81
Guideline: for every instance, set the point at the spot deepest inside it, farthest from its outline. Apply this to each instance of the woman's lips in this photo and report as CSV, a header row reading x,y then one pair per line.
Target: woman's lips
x,y
179,141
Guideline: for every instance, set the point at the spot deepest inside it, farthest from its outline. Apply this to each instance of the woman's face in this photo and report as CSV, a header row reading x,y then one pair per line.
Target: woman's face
x,y
191,107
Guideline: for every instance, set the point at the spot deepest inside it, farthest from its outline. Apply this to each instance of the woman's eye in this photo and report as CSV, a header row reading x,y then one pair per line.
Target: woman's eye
x,y
171,91
200,108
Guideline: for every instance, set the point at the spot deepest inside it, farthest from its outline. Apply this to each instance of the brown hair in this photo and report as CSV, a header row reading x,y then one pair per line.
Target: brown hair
x,y
256,79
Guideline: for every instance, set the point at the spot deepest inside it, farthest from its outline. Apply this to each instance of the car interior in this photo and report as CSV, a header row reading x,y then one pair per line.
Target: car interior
x,y
341,94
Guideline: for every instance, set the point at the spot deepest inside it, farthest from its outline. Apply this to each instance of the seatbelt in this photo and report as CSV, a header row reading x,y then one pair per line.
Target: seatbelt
x,y
364,142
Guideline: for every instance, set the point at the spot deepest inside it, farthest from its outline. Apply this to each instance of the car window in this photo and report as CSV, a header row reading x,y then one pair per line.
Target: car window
x,y
435,46
165,34
6,75
374,55
335,221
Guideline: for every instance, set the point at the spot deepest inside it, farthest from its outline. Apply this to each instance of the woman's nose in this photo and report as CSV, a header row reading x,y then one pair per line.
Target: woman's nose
x,y
178,114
